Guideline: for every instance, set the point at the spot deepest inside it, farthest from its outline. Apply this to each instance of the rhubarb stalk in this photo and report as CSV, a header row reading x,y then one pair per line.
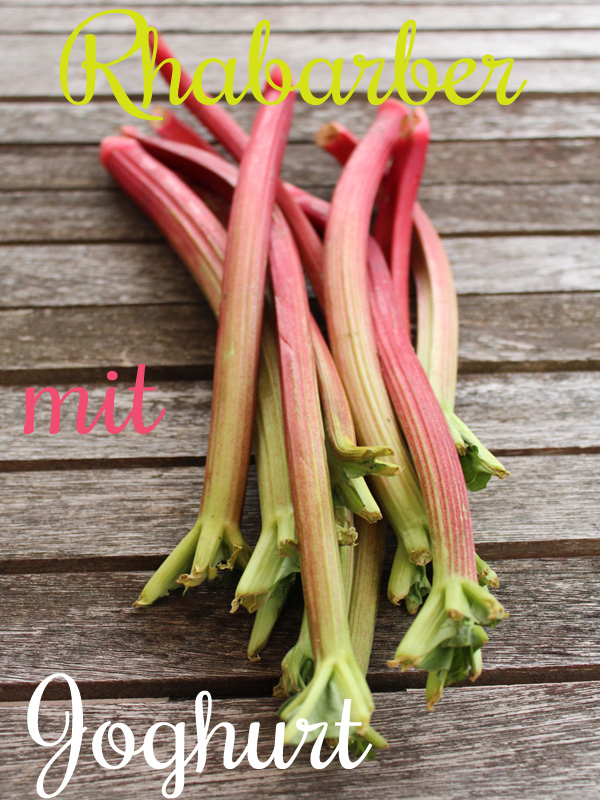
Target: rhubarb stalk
x,y
437,305
238,344
447,635
412,152
353,343
336,674
234,139
437,345
200,241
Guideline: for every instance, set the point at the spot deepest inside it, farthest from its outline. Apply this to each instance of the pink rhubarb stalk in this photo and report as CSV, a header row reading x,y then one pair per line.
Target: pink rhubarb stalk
x,y
238,343
447,635
336,674
437,305
437,345
412,158
352,337
176,130
234,139
199,239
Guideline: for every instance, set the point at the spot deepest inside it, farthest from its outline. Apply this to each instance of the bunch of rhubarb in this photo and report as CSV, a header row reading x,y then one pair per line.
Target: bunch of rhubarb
x,y
351,430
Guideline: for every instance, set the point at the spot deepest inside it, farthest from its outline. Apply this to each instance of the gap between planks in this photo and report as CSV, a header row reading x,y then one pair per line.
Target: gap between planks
x,y
72,619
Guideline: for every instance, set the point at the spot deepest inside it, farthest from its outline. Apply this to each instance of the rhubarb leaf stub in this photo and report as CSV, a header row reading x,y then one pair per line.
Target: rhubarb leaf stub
x,y
446,637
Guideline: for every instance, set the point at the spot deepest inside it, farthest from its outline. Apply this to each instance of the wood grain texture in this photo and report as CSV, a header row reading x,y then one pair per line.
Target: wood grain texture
x,y
552,161
478,736
511,413
548,331
532,117
550,61
217,18
64,275
108,216
85,626
240,3
131,518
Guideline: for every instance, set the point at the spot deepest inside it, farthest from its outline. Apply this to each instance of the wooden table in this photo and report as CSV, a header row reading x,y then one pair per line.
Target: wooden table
x,y
86,285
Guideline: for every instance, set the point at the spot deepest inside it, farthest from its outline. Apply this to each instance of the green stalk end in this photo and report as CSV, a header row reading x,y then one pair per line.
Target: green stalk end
x,y
335,679
478,464
485,574
408,581
264,622
165,578
267,574
220,546
359,743
287,541
349,487
359,461
446,637
346,532
297,667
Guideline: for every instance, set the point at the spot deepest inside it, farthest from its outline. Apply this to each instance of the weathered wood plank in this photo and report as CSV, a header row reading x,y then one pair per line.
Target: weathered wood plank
x,y
152,3
512,413
147,274
551,61
107,216
218,18
59,216
573,116
546,331
83,275
525,264
478,736
85,626
553,161
115,518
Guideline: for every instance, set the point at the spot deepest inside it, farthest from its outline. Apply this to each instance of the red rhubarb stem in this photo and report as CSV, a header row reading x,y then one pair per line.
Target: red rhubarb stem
x,y
236,358
426,431
412,160
350,327
176,130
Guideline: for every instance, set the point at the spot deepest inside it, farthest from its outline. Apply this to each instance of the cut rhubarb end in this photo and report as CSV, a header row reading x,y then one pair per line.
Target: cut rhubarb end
x,y
447,634
267,573
485,574
346,532
335,679
408,582
351,493
264,622
220,545
360,461
165,578
478,464
359,743
297,667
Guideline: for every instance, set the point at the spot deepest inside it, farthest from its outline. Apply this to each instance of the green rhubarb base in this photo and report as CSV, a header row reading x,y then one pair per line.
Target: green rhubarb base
x,y
478,464
297,667
267,573
321,701
408,582
264,622
447,636
203,553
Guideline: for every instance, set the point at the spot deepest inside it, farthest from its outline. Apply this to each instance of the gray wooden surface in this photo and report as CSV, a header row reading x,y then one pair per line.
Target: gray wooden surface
x,y
87,285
